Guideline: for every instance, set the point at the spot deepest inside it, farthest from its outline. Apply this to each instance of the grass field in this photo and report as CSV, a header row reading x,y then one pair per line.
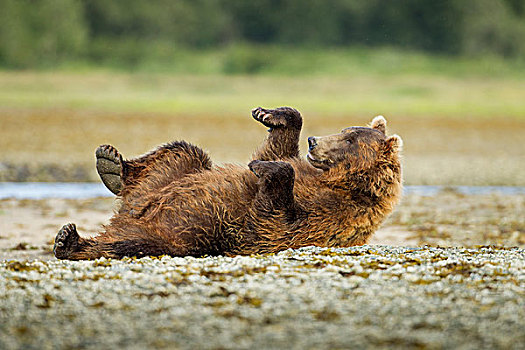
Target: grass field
x,y
459,125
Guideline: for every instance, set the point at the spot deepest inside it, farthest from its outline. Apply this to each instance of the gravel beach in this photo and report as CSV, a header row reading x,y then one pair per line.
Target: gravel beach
x,y
410,289
311,298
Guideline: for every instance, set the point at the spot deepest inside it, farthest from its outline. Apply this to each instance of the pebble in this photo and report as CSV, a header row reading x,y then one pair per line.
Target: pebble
x,y
309,298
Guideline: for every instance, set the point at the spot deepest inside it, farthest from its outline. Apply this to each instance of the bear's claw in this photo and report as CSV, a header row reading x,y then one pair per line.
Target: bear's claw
x,y
282,117
66,241
109,167
267,117
253,167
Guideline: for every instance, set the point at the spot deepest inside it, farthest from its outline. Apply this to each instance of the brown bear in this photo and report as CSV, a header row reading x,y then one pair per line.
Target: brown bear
x,y
175,202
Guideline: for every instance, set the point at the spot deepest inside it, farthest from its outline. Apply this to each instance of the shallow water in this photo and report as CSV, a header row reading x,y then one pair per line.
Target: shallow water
x,y
81,190
41,190
468,190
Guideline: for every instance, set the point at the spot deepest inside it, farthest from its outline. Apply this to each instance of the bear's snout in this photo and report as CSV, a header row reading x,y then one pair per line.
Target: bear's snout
x,y
312,143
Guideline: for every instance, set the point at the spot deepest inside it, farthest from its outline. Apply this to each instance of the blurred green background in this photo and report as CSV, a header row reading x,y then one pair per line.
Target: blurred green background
x,y
448,75
137,33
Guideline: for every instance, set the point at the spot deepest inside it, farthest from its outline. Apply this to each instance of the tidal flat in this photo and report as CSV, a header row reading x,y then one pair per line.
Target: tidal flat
x,y
444,271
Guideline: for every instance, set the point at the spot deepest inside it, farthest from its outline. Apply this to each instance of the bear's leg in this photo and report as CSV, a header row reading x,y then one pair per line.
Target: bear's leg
x,y
145,177
111,244
284,125
166,163
276,183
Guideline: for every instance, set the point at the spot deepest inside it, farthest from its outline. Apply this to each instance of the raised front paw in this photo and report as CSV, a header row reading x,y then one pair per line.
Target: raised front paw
x,y
66,241
278,118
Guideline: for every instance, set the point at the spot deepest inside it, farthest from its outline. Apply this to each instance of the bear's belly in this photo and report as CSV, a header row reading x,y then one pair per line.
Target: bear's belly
x,y
211,203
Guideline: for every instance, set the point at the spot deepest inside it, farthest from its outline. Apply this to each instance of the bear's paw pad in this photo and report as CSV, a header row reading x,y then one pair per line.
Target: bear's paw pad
x,y
109,167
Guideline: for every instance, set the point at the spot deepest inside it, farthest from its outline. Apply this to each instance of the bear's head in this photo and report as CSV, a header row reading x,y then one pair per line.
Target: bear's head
x,y
355,148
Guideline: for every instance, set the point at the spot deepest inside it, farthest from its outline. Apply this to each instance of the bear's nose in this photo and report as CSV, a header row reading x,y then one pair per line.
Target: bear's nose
x,y
312,142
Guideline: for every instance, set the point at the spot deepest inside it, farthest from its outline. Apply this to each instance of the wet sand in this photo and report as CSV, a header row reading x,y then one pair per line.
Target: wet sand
x,y
28,227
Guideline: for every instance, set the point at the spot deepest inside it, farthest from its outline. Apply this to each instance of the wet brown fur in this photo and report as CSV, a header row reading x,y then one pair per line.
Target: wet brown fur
x,y
175,202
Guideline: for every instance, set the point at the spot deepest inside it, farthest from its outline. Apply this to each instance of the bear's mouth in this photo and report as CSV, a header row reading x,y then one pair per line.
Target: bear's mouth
x,y
317,163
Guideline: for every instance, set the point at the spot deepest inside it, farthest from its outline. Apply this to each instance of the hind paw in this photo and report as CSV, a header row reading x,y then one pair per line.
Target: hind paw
x,y
66,241
109,167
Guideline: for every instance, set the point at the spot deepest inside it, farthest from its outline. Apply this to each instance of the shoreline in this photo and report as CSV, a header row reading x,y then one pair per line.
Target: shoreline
x,y
449,218
86,190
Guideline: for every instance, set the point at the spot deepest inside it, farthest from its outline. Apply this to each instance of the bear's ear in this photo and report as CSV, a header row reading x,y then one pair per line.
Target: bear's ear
x,y
379,123
393,144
